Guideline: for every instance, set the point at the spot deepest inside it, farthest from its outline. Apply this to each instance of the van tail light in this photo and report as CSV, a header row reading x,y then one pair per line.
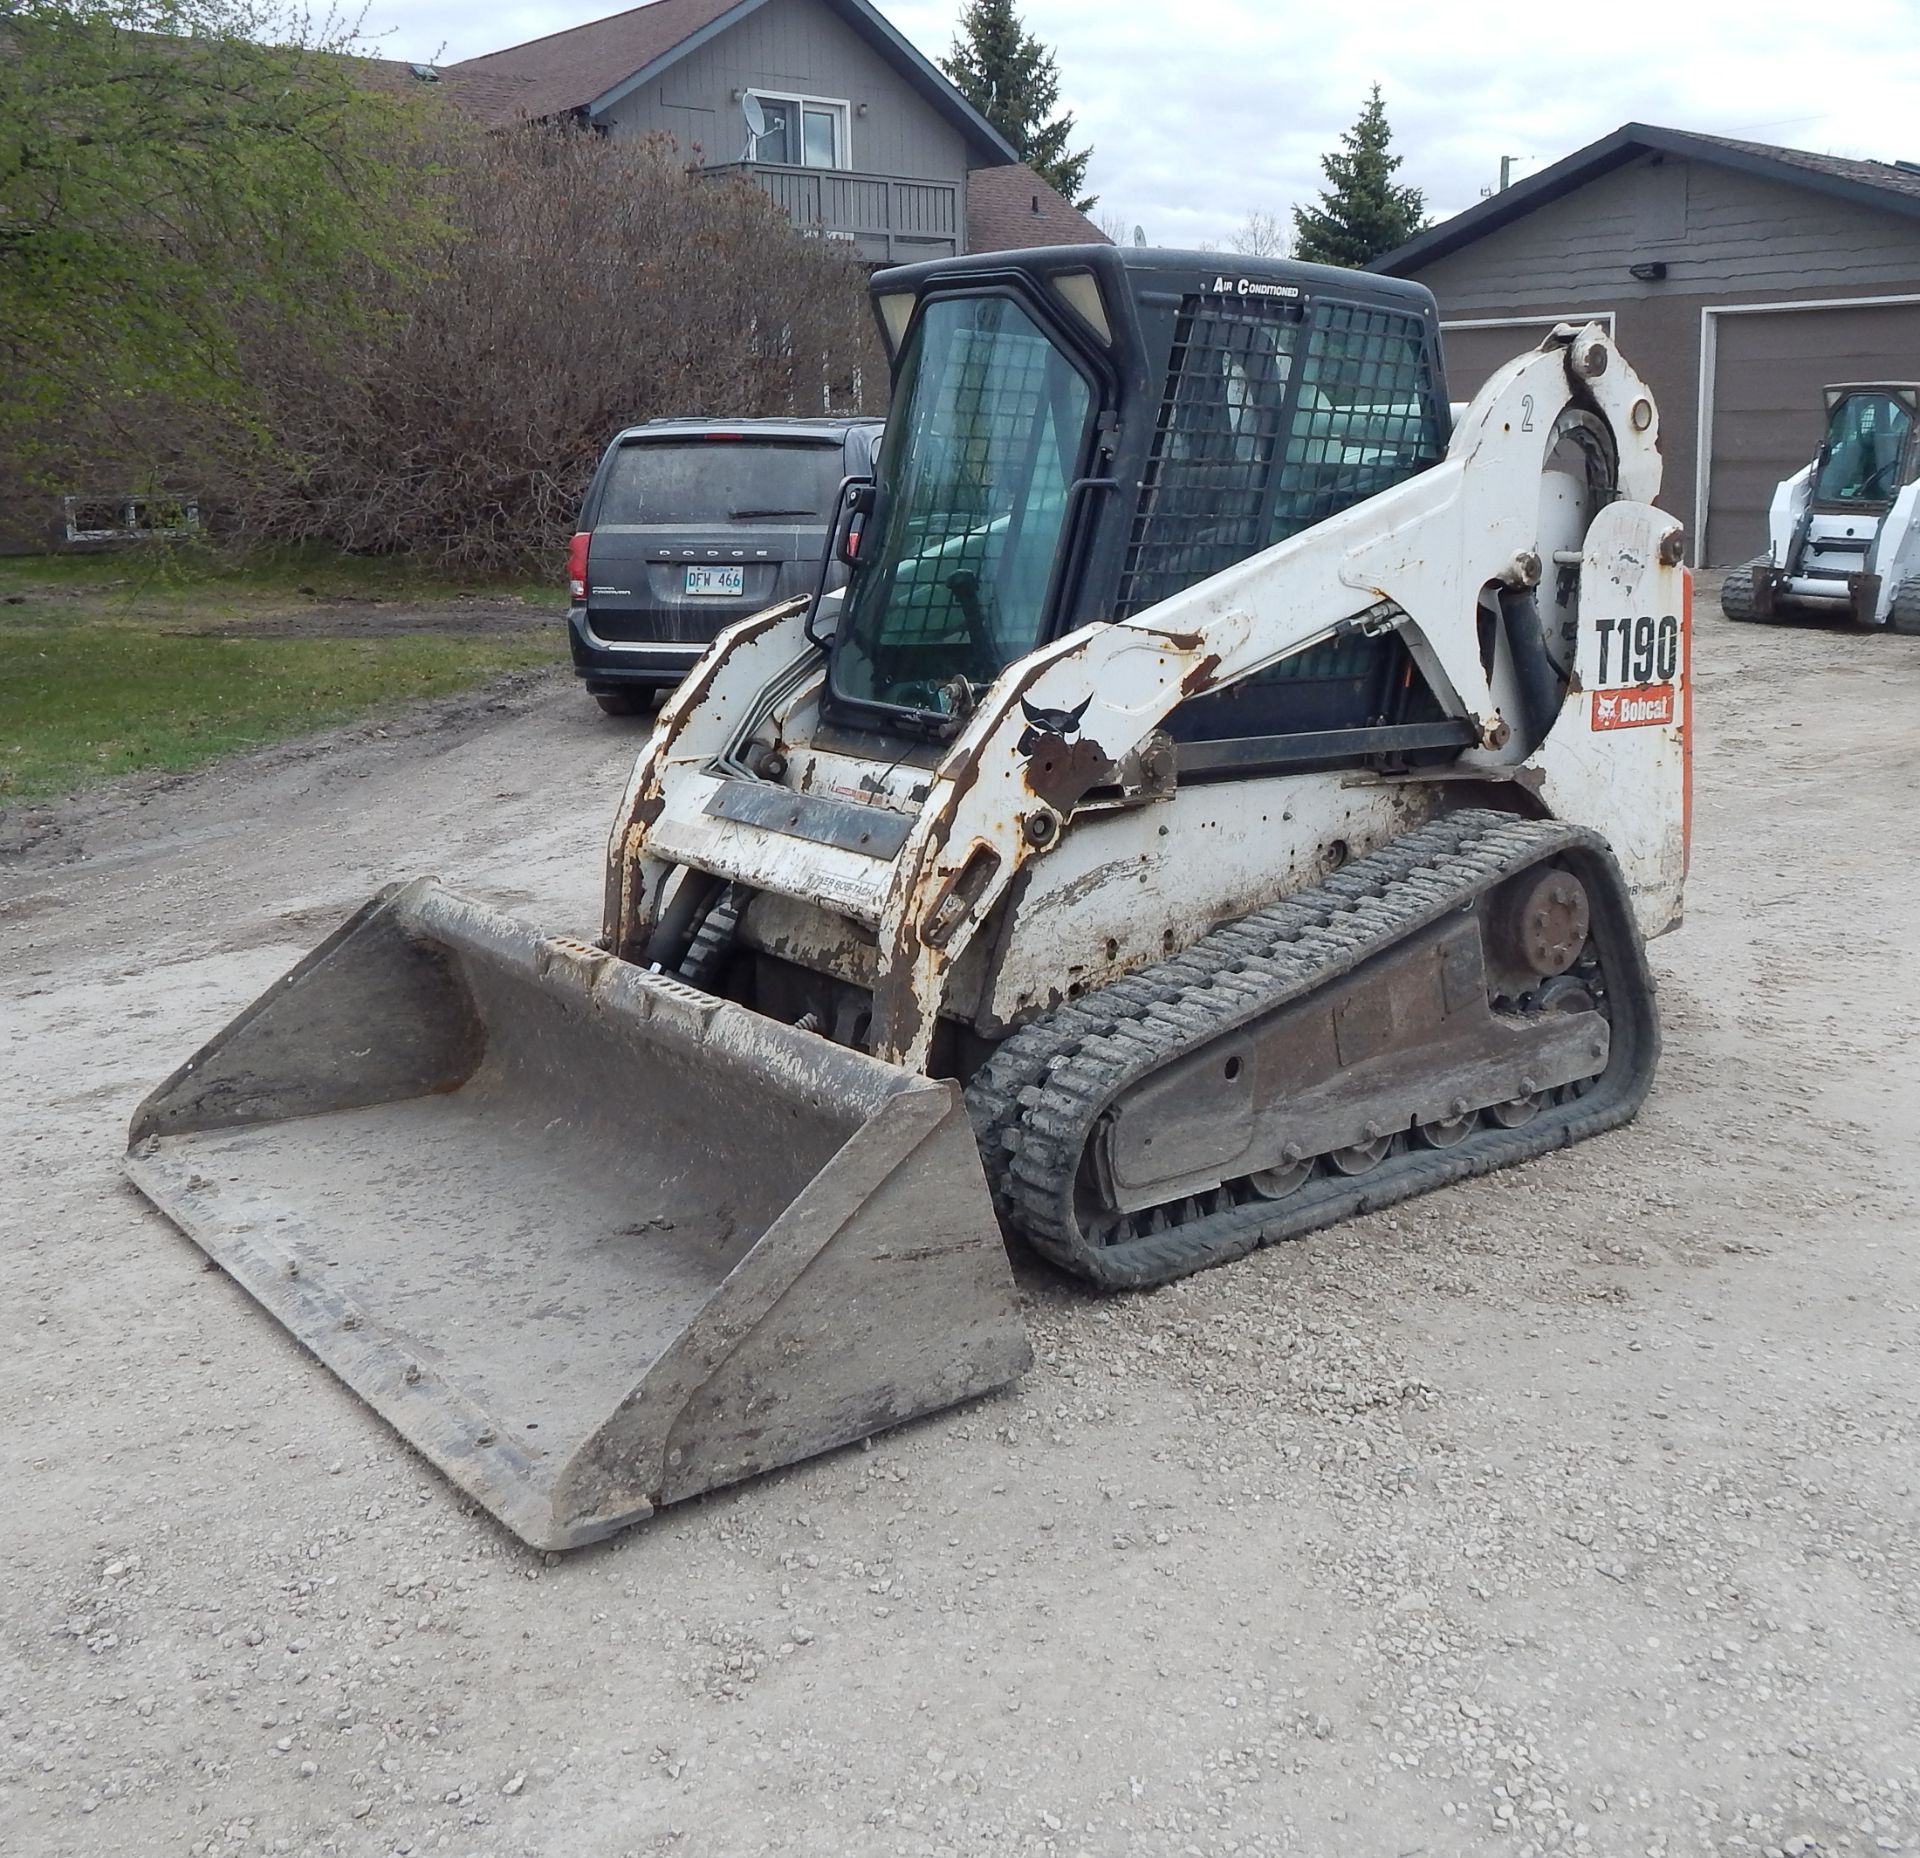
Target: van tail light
x,y
577,566
853,543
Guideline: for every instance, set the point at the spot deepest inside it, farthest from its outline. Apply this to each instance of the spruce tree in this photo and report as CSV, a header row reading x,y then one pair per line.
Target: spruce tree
x,y
1364,213
1013,81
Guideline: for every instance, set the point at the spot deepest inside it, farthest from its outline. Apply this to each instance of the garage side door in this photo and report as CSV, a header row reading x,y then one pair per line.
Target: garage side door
x,y
1473,354
1768,415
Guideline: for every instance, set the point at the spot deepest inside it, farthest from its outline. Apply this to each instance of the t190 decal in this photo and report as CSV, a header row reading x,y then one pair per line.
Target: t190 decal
x,y
1638,651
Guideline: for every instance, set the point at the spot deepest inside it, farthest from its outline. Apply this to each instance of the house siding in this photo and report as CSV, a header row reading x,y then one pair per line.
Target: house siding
x,y
1727,238
804,47
1744,234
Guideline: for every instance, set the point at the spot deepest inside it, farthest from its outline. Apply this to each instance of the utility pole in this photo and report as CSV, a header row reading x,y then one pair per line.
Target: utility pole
x,y
1506,171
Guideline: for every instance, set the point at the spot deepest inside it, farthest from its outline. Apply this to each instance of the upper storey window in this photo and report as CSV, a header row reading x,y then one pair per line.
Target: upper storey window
x,y
798,132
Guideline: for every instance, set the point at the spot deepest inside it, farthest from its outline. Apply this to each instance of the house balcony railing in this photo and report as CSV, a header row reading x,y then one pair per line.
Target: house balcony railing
x,y
892,220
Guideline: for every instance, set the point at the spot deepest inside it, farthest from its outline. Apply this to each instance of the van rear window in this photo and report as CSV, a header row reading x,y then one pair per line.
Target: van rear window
x,y
721,481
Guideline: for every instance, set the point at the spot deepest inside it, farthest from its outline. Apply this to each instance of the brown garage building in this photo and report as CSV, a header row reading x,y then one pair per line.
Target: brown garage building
x,y
1739,279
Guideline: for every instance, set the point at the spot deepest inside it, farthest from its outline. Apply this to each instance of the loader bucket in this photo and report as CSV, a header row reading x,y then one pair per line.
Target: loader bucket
x,y
591,1240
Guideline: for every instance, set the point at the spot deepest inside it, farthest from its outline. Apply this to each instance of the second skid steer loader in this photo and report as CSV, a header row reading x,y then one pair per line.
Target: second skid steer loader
x,y
1843,533
1223,801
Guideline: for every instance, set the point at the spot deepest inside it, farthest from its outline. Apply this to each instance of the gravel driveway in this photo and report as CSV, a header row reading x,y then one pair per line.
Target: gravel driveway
x,y
1569,1510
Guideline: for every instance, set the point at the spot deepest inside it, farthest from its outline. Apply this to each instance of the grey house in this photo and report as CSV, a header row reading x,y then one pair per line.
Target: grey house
x,y
1739,279
820,102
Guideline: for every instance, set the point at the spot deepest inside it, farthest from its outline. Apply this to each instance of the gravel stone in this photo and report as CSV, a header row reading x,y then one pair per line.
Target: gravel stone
x,y
1577,1502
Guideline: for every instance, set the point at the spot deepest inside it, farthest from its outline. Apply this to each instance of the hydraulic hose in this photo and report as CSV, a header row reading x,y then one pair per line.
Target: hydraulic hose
x,y
1540,688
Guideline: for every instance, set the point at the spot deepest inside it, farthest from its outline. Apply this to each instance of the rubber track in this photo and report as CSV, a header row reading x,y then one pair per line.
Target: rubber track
x,y
1036,1101
1736,595
713,942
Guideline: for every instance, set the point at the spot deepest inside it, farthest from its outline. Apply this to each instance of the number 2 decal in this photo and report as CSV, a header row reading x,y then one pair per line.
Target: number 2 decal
x,y
1649,649
1526,412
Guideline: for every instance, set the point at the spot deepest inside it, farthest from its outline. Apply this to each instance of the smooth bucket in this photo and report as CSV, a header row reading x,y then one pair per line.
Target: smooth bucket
x,y
591,1240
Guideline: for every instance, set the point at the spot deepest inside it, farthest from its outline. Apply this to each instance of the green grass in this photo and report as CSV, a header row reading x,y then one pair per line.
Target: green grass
x,y
192,582
97,679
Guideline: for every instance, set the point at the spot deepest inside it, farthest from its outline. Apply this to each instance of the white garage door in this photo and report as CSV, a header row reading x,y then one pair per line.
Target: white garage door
x,y
1768,367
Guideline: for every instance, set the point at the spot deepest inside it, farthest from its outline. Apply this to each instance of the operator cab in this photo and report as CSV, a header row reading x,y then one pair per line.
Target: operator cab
x,y
1079,433
1868,455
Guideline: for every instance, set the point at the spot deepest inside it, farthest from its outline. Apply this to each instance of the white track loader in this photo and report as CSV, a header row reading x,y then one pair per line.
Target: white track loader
x,y
1841,533
1229,796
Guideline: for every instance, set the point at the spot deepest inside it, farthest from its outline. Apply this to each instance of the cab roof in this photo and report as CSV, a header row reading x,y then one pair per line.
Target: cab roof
x,y
1138,268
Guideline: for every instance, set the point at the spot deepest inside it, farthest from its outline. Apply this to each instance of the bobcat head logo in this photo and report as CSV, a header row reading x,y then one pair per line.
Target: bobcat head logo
x,y
1063,725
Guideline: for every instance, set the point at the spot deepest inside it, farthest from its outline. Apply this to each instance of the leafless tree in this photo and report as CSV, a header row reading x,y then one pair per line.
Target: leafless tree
x,y
581,285
1261,235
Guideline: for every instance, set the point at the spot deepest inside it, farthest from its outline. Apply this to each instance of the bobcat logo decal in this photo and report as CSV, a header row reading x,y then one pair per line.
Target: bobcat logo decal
x,y
1061,725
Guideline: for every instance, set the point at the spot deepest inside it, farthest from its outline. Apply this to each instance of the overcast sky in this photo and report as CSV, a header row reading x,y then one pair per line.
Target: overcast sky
x,y
1200,112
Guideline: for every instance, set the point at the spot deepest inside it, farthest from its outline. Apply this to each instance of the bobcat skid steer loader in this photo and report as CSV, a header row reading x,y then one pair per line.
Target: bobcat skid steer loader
x,y
1841,534
1224,800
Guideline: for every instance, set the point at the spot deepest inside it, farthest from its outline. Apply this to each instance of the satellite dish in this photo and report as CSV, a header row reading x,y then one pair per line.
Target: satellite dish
x,y
756,123
1139,235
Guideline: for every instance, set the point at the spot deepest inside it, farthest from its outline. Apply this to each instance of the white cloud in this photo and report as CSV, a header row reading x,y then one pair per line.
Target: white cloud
x,y
1198,113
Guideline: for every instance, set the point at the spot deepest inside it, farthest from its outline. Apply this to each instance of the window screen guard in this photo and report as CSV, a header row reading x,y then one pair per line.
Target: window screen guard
x,y
1276,416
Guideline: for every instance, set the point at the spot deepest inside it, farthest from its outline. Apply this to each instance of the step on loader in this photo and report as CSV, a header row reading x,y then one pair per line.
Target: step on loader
x,y
1229,795
1842,540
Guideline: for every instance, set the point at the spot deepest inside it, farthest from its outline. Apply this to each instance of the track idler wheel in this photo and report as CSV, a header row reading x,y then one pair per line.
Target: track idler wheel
x,y
1363,1157
1449,1131
1517,1111
1277,1183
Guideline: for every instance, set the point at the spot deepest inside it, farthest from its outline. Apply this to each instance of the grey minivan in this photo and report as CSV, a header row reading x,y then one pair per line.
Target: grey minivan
x,y
690,524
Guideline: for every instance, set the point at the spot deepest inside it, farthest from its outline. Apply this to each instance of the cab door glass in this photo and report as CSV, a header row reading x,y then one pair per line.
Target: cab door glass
x,y
1866,450
983,444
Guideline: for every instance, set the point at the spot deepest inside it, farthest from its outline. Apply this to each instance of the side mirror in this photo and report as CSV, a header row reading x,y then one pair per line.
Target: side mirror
x,y
853,507
851,529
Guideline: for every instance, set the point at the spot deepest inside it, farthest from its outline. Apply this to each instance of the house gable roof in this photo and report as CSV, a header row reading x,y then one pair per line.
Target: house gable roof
x,y
587,69
566,71
1010,208
1882,184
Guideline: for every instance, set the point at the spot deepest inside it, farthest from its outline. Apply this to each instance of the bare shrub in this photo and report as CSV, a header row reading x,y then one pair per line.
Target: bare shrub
x,y
580,285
